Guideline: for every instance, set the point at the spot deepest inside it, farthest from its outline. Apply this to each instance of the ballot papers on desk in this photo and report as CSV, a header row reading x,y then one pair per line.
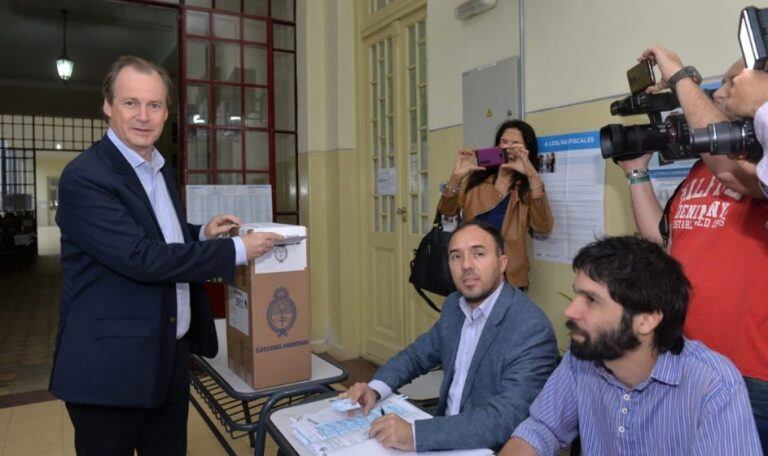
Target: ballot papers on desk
x,y
330,432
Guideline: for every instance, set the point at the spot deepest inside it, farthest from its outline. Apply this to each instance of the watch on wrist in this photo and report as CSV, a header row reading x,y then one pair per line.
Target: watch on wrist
x,y
636,173
685,72
638,176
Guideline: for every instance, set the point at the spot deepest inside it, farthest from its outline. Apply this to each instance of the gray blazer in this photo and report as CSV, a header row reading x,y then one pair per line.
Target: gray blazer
x,y
515,355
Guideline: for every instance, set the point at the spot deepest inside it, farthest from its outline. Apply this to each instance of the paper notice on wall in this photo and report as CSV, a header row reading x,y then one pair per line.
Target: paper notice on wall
x,y
573,172
250,203
386,181
238,310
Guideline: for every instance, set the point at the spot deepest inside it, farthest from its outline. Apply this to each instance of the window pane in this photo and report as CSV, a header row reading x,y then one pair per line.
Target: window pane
x,y
198,149
283,36
227,62
254,30
228,5
282,9
197,104
228,106
229,149
225,26
256,150
197,59
255,65
197,22
256,7
423,104
285,172
288,219
200,3
257,179
229,178
256,108
285,101
197,179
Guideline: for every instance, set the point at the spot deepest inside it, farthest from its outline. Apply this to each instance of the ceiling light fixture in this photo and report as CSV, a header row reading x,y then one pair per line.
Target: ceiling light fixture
x,y
64,65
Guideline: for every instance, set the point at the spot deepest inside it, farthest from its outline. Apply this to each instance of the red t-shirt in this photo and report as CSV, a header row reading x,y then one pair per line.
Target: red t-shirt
x,y
721,238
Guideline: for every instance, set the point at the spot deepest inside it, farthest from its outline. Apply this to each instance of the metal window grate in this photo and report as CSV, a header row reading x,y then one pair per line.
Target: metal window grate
x,y
50,133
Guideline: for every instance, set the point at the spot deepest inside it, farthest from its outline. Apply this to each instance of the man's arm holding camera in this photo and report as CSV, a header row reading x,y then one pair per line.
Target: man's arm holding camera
x,y
645,206
701,111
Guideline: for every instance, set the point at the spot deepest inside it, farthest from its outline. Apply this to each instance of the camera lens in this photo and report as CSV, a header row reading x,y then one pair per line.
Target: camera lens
x,y
735,139
620,142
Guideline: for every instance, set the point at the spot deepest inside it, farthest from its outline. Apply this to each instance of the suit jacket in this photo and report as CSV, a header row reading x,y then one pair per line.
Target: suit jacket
x,y
515,355
117,320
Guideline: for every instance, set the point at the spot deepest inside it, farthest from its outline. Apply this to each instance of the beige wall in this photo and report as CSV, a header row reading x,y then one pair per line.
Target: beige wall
x,y
455,46
328,164
580,50
576,56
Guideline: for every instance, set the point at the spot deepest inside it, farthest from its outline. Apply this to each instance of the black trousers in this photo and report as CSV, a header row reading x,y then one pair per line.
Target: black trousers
x,y
102,430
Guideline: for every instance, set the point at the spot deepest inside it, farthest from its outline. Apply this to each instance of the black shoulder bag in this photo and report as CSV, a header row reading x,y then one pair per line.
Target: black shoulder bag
x,y
429,267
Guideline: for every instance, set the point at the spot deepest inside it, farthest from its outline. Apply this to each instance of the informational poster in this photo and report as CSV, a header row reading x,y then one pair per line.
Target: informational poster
x,y
250,203
386,181
573,172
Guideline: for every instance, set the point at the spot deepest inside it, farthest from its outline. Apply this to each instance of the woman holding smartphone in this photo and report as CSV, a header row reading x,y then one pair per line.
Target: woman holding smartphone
x,y
509,196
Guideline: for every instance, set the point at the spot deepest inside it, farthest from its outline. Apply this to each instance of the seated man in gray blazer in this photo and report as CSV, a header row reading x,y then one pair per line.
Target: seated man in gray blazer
x,y
495,346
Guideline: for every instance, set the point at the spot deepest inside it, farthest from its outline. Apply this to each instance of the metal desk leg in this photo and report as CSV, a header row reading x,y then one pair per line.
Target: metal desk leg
x,y
261,429
222,440
247,415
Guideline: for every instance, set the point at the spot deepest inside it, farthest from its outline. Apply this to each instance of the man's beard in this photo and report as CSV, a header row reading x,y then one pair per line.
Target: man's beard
x,y
608,345
482,294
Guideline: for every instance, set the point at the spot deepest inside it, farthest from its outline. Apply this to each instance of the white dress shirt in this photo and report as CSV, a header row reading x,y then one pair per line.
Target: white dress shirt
x,y
153,182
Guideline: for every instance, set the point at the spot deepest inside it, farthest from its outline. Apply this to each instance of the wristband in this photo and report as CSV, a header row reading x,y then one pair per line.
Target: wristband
x,y
639,180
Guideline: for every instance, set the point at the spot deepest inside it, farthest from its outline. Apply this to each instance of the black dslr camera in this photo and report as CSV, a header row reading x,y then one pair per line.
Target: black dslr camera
x,y
672,137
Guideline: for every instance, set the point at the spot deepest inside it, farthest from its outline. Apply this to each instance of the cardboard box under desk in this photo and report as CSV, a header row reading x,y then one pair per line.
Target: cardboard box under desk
x,y
268,327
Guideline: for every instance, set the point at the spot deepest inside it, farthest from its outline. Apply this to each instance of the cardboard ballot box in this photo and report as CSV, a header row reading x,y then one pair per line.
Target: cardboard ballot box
x,y
268,322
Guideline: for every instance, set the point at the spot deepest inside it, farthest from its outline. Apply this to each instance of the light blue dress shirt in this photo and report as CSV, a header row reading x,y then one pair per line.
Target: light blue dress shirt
x,y
694,403
470,335
153,182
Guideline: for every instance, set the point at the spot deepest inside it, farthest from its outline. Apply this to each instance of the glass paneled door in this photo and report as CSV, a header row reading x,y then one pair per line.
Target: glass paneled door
x,y
396,134
239,110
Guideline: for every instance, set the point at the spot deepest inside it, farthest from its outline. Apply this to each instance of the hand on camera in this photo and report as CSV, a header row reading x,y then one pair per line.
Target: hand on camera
x,y
640,162
668,62
466,164
749,90
519,161
257,244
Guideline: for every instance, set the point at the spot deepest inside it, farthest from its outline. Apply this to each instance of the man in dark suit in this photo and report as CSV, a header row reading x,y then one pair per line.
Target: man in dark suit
x,y
495,346
132,307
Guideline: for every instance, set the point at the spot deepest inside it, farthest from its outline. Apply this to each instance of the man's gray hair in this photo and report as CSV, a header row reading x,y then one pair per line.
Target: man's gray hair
x,y
140,65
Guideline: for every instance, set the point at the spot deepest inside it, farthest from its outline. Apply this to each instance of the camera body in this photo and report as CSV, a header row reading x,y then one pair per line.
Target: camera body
x,y
672,137
491,156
